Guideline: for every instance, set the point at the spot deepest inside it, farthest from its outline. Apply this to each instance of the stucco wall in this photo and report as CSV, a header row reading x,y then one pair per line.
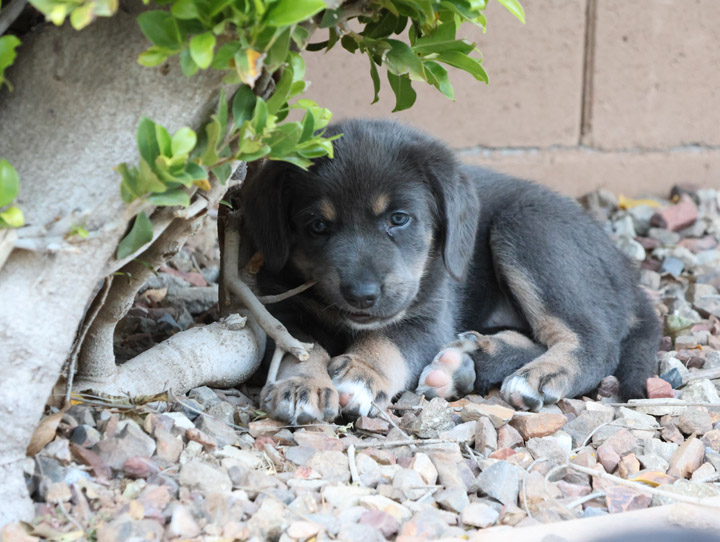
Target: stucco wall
x,y
589,93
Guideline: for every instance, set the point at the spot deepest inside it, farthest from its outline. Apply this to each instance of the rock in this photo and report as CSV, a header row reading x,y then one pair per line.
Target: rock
x,y
687,458
368,470
223,434
711,439
380,521
451,467
695,420
584,424
665,237
658,388
140,467
509,437
373,425
608,458
669,362
628,466
705,473
659,407
636,420
537,425
57,492
687,488
486,437
269,521
498,415
410,483
623,442
480,515
653,462
205,396
548,448
435,418
463,433
196,299
672,266
624,499
700,391
180,420
124,528
650,279
131,441
378,502
500,481
344,496
672,377
182,523
332,466
85,436
300,455
676,217
169,446
573,490
251,459
351,532
454,499
204,477
631,248
423,465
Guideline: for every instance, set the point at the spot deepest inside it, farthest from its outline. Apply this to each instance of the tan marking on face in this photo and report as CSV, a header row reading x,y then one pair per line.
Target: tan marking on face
x,y
385,359
380,204
327,210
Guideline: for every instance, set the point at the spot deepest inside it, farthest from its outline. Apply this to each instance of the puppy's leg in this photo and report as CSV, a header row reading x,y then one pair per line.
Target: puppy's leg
x,y
303,392
373,370
476,362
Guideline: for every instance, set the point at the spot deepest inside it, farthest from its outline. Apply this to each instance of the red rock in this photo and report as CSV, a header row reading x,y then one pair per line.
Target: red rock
x,y
502,453
380,521
624,499
665,344
687,458
697,245
140,467
608,457
508,437
629,466
383,457
676,217
264,427
538,425
648,243
319,441
658,388
373,425
585,458
260,442
571,407
573,490
208,443
671,433
623,442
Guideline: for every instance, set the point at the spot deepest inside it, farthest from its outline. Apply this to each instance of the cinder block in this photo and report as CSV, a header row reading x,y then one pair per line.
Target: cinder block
x,y
656,74
578,171
533,99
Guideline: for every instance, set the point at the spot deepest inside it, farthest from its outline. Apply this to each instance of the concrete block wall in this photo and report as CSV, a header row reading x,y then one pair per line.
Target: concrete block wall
x,y
619,94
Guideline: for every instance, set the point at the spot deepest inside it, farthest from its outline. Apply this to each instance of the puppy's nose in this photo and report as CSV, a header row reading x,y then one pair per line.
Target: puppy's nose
x,y
361,294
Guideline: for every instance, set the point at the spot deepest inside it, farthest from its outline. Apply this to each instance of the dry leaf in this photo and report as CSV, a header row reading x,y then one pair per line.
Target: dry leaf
x,y
628,203
44,432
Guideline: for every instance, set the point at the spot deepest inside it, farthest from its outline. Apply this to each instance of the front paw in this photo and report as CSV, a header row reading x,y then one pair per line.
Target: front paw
x,y
452,373
539,383
301,399
360,385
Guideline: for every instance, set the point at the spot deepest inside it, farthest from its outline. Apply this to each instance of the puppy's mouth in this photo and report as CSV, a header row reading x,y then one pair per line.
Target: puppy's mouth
x,y
362,320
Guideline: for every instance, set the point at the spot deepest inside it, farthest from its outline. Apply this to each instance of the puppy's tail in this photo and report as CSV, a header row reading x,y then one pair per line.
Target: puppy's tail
x,y
638,350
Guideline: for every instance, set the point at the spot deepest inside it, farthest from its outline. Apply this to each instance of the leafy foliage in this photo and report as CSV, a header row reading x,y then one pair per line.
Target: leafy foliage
x,y
10,215
8,44
81,12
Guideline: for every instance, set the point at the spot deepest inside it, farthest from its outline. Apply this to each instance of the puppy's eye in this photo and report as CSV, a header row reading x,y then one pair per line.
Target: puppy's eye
x,y
318,227
398,219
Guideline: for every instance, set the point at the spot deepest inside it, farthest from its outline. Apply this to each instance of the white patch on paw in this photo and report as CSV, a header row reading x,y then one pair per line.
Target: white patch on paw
x,y
361,398
515,388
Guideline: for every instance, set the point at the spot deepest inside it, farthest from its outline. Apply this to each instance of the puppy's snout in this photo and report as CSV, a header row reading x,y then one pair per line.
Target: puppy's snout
x,y
361,294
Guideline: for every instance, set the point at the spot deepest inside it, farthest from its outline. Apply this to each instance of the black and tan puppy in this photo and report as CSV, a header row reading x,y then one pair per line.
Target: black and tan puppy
x,y
408,248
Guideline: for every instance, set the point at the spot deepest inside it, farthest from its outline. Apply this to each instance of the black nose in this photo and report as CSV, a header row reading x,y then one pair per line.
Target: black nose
x,y
361,294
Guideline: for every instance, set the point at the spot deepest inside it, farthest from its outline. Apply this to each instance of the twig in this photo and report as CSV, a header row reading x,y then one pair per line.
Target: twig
x,y
643,488
10,13
428,494
284,342
269,299
353,466
68,517
583,500
409,442
673,403
697,375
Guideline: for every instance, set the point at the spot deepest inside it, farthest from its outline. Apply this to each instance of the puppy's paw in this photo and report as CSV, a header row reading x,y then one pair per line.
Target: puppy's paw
x,y
359,385
452,373
538,383
301,399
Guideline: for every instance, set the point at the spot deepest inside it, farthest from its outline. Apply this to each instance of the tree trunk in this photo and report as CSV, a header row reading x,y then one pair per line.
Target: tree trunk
x,y
72,117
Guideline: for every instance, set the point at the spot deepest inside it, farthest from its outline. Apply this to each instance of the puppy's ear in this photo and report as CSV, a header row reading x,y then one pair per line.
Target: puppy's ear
x,y
458,208
265,214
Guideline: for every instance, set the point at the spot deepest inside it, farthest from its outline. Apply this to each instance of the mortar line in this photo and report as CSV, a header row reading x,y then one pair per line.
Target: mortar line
x,y
588,71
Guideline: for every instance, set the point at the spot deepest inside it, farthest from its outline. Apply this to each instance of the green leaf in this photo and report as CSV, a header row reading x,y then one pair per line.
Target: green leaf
x,y
284,139
196,171
243,105
8,44
82,16
184,9
401,60
128,187
441,81
140,234
183,141
263,151
442,39
375,78
163,139
405,96
160,28
12,218
153,56
514,7
278,52
222,111
147,179
287,12
260,116
308,124
147,140
222,173
296,160
187,64
248,63
9,183
282,91
467,63
224,55
202,48
330,17
176,196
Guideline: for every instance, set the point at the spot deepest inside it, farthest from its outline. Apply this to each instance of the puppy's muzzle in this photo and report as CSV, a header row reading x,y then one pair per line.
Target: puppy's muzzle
x,y
361,294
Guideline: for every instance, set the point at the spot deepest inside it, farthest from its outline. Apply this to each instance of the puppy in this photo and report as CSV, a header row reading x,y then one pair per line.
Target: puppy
x,y
409,247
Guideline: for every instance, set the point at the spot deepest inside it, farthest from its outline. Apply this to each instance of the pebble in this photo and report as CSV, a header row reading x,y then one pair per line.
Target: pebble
x,y
658,388
498,415
454,499
608,458
500,481
695,420
509,437
378,502
381,522
624,499
204,477
676,217
411,484
687,458
332,466
584,424
182,523
537,425
435,418
479,515
486,436
423,465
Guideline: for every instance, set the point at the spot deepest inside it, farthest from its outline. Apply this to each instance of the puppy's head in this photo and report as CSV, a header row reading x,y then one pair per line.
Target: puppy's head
x,y
367,225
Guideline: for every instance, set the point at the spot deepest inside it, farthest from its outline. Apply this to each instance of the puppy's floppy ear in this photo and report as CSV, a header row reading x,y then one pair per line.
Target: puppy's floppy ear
x,y
458,207
265,214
